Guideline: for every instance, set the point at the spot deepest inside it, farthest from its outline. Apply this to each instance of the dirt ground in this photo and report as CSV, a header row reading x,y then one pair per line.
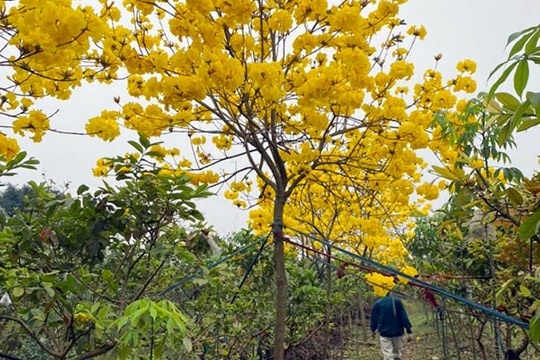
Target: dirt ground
x,y
423,346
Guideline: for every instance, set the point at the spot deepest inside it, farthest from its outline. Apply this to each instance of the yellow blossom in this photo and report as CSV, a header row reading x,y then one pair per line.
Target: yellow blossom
x,y
401,70
280,20
466,66
231,194
461,105
36,122
8,147
428,191
100,171
184,163
238,186
26,103
124,169
465,83
198,140
407,270
381,284
419,31
240,203
166,170
158,152
104,126
477,164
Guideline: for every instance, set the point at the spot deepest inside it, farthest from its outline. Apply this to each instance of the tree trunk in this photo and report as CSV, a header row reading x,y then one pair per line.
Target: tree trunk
x,y
328,309
281,283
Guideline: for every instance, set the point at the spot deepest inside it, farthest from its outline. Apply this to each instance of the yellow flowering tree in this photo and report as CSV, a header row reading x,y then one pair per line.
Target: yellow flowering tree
x,y
48,49
309,99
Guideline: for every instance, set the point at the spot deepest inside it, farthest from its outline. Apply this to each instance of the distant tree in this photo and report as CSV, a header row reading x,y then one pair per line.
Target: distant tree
x,y
12,198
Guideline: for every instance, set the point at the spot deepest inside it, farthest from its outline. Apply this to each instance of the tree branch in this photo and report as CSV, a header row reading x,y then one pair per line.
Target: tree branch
x,y
31,334
109,345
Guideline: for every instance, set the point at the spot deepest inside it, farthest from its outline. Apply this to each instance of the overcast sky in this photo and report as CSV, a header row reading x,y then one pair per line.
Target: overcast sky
x,y
478,30
459,29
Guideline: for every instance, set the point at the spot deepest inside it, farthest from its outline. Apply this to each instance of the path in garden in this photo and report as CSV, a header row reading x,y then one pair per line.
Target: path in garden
x,y
424,346
425,343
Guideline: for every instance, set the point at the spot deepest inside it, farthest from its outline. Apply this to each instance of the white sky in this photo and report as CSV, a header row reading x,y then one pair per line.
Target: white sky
x,y
479,30
459,29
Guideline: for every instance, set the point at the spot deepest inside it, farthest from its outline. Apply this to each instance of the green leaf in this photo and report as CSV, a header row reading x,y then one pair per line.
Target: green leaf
x,y
170,326
108,276
534,327
500,80
137,314
200,281
127,338
131,308
489,218
521,77
81,189
532,43
505,134
508,100
124,352
95,307
504,288
17,292
187,344
524,291
103,311
463,197
156,154
534,99
513,37
153,312
529,227
527,124
121,322
519,44
144,141
197,215
159,349
500,120
515,196
17,159
535,59
49,290
445,173
68,284
136,145
497,68
515,120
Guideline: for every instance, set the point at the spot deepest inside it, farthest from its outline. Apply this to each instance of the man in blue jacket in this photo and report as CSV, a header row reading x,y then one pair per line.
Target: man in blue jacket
x,y
389,317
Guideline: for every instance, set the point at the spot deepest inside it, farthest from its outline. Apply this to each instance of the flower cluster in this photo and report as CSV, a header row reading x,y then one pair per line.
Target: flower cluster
x,y
35,122
382,284
8,147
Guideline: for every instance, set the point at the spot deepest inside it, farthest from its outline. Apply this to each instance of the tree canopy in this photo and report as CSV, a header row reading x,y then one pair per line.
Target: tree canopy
x,y
313,102
312,96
